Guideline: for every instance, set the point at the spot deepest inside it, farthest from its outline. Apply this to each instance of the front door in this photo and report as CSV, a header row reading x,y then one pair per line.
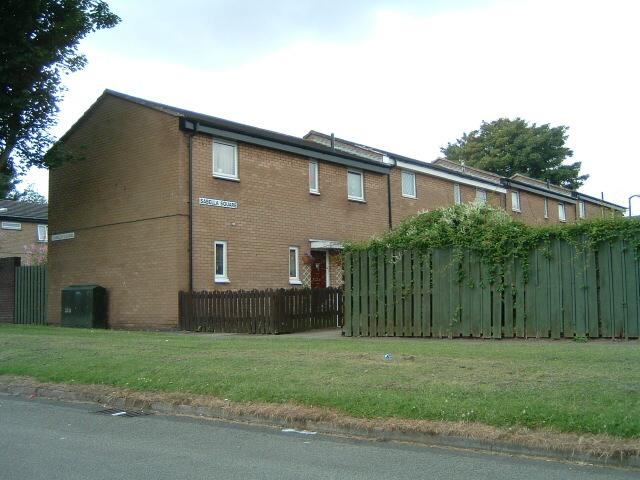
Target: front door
x,y
319,269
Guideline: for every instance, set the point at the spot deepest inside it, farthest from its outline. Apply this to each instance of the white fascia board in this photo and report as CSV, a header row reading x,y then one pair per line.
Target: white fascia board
x,y
325,245
451,176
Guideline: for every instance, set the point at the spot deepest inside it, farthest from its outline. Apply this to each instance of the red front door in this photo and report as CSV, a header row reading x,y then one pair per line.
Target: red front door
x,y
319,269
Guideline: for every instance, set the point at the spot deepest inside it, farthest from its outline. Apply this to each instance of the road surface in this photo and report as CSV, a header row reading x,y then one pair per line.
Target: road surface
x,y
42,439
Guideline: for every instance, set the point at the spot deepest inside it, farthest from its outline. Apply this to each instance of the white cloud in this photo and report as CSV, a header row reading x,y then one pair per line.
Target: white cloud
x,y
418,82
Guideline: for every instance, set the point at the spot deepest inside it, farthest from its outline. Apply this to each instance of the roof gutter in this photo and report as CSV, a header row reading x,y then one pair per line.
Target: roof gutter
x,y
539,191
333,157
448,175
42,221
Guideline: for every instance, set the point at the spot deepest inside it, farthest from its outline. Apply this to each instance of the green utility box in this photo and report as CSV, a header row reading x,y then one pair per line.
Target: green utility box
x,y
84,306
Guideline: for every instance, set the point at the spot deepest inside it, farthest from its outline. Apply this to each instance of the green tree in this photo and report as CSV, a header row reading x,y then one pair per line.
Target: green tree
x,y
31,195
38,44
507,147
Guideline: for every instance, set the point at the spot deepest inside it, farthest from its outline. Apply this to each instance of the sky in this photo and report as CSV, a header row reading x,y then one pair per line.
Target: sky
x,y
405,76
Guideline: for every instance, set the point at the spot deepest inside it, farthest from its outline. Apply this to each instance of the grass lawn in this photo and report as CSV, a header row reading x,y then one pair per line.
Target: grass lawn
x,y
573,387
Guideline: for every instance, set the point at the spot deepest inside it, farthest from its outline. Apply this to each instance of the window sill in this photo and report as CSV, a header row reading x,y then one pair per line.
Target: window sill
x,y
409,197
357,200
312,192
222,177
516,211
293,281
222,280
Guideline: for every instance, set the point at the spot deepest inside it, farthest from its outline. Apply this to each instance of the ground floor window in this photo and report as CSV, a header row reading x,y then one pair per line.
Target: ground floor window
x,y
294,275
220,260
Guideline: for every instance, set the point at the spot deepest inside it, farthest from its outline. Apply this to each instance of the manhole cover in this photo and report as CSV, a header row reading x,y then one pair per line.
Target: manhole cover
x,y
116,412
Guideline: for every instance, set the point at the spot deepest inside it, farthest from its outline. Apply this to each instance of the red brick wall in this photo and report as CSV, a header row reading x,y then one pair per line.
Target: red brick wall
x,y
127,204
275,211
13,242
7,287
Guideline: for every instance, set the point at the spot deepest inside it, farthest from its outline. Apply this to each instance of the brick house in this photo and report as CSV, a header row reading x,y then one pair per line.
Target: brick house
x,y
22,225
267,210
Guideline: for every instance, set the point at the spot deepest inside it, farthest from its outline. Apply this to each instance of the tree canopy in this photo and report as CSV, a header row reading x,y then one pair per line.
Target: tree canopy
x,y
507,147
38,43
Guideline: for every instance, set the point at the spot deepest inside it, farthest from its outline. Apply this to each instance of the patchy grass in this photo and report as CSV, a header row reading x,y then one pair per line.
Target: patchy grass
x,y
567,386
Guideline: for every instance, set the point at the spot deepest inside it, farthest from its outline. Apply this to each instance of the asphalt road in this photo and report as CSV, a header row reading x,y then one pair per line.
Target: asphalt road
x,y
48,440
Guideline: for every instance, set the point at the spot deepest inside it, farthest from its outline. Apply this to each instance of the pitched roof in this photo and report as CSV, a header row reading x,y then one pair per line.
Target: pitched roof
x,y
246,131
23,210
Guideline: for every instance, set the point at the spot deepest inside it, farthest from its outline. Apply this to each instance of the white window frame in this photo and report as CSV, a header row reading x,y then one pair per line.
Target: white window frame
x,y
315,189
415,188
515,202
582,209
43,228
562,212
235,159
352,197
481,192
296,279
457,194
11,226
224,277
546,208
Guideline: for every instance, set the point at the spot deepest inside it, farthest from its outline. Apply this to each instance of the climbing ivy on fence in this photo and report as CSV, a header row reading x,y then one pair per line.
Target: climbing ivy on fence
x,y
495,236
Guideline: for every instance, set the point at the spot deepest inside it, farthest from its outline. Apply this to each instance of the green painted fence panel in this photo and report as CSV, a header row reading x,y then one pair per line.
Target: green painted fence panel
x,y
364,294
425,267
31,295
485,300
593,312
381,322
397,294
555,288
520,330
568,278
618,290
390,307
606,290
407,290
348,295
508,328
356,294
561,291
416,295
632,286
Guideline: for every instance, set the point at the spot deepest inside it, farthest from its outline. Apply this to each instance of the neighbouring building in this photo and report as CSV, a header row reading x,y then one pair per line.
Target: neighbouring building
x,y
163,199
23,229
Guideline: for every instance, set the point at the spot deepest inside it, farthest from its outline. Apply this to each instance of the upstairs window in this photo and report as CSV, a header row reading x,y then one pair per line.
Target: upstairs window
x,y
355,185
11,226
562,213
481,196
457,197
225,160
409,184
294,276
43,233
546,208
582,209
313,177
515,201
220,261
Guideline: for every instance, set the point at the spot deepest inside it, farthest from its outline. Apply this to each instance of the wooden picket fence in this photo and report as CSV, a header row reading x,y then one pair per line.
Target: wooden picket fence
x,y
561,291
261,311
31,295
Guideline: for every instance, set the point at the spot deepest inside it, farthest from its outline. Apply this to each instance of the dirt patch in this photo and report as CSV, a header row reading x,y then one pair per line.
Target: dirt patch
x,y
518,439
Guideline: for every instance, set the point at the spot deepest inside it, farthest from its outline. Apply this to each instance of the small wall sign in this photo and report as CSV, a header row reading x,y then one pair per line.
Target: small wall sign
x,y
63,236
215,202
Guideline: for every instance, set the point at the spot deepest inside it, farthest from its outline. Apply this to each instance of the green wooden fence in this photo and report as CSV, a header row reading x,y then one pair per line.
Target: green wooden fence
x,y
31,295
561,291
